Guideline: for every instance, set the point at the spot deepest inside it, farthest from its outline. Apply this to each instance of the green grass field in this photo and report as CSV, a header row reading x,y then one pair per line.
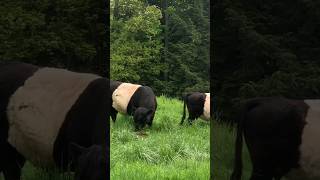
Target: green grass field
x,y
223,153
168,151
30,172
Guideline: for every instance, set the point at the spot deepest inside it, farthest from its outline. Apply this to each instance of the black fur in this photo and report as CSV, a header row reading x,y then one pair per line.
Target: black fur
x,y
86,122
12,76
272,128
92,162
195,104
142,105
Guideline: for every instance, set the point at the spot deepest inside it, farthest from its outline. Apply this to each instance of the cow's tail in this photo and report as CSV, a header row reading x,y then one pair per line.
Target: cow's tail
x,y
237,169
185,100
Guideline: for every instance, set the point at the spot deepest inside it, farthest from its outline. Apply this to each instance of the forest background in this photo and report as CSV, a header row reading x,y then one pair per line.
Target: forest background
x,y
265,48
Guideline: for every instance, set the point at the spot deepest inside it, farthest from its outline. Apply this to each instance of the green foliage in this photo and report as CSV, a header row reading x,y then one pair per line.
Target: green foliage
x,y
168,151
55,33
223,143
166,48
135,44
265,49
187,52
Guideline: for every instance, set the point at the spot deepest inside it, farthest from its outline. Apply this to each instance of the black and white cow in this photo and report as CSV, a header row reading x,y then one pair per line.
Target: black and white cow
x,y
53,117
198,105
283,138
132,99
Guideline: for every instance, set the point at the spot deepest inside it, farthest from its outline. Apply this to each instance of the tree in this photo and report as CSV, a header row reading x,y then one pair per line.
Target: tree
x,y
68,34
163,44
265,49
135,43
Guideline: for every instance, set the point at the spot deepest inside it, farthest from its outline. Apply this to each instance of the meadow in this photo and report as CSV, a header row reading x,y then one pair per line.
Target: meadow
x,y
30,172
165,151
223,144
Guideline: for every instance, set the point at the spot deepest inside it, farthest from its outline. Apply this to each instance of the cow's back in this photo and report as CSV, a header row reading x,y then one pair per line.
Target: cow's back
x,y
143,97
195,104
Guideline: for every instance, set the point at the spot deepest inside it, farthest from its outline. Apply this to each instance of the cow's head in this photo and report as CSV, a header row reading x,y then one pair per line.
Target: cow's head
x,y
90,163
141,117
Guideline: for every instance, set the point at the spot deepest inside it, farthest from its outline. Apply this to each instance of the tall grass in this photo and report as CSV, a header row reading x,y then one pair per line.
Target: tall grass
x,y
167,151
223,142
30,172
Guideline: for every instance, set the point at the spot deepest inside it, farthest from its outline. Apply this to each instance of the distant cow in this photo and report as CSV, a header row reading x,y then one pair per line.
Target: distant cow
x,y
282,136
198,105
133,99
52,117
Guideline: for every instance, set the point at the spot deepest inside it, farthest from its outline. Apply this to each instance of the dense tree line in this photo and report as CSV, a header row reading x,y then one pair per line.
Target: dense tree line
x,y
163,44
69,34
265,48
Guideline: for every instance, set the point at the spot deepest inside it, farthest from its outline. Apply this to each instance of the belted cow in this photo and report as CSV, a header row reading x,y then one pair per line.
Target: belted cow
x,y
53,117
282,136
133,99
198,105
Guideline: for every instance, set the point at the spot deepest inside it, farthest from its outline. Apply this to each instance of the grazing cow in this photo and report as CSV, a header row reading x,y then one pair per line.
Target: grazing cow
x,y
132,99
282,136
198,105
52,117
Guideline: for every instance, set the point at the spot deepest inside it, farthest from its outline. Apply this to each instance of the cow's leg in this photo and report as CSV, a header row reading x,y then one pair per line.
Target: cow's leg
x,y
191,119
113,114
13,163
181,122
114,117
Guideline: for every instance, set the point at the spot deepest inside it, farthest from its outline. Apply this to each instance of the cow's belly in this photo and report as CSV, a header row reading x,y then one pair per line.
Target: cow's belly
x,y
310,145
37,110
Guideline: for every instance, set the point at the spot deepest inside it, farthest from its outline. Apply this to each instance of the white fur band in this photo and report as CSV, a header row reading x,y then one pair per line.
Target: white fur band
x,y
37,110
122,95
